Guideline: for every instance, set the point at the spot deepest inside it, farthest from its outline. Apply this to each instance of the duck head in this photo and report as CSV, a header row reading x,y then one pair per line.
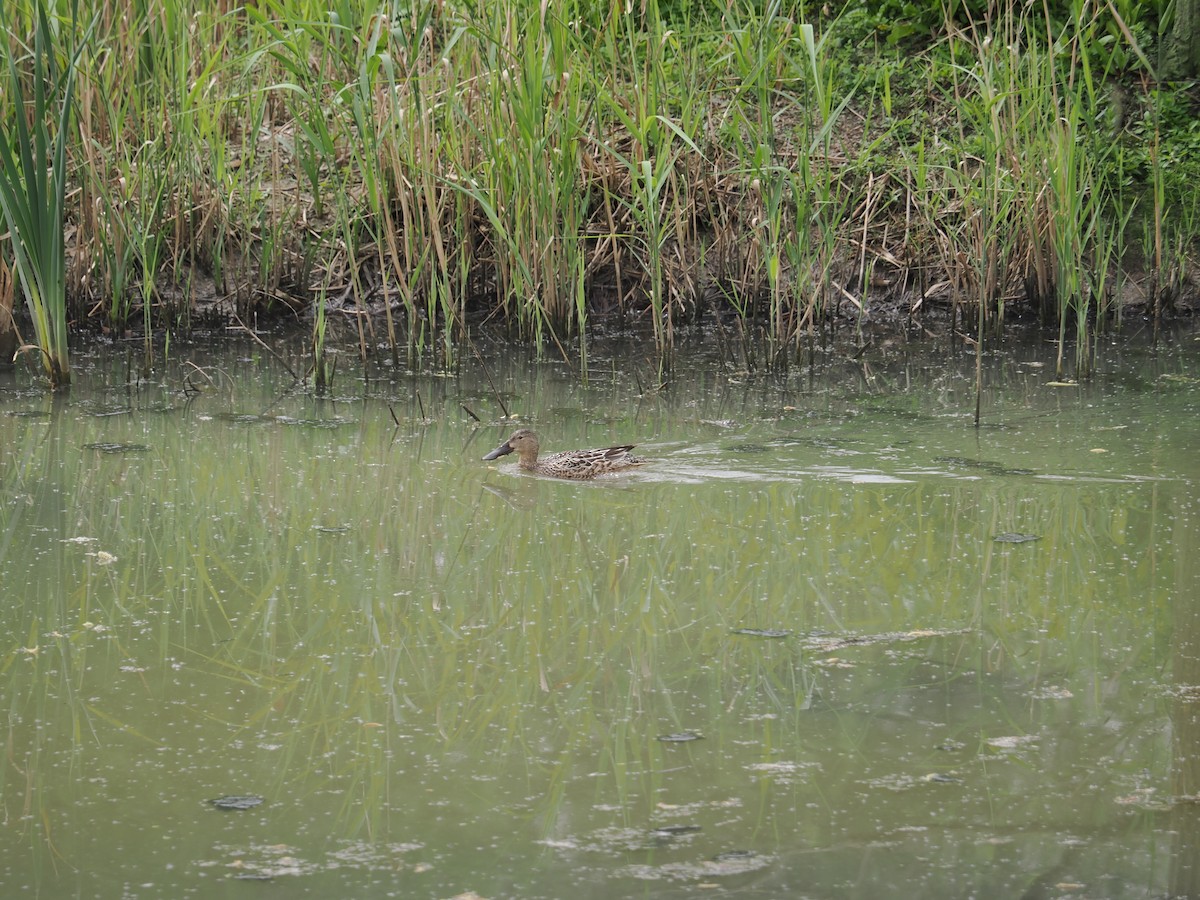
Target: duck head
x,y
523,441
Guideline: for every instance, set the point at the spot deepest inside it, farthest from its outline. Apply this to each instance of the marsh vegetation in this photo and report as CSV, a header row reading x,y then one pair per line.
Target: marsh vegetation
x,y
767,169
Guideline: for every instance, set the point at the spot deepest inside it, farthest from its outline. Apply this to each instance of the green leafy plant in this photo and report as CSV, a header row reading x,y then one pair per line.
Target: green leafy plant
x,y
33,187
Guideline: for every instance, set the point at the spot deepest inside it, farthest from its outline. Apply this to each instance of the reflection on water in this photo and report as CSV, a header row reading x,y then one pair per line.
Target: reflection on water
x,y
834,641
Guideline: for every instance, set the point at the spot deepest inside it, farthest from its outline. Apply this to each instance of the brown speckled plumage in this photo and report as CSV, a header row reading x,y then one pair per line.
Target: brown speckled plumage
x,y
578,464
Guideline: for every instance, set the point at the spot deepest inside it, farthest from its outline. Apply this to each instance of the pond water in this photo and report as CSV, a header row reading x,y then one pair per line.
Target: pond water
x,y
834,641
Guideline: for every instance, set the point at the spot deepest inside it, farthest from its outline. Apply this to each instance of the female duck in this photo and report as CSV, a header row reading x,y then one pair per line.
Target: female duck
x,y
570,464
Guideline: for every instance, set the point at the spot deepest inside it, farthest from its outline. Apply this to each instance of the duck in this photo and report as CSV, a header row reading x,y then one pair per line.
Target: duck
x,y
578,464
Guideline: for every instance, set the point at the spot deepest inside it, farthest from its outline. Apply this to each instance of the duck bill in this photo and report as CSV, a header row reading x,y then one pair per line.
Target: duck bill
x,y
500,451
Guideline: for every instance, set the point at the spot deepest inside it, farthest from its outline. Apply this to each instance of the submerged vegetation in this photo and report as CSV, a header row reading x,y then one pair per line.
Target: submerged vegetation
x,y
772,168
799,629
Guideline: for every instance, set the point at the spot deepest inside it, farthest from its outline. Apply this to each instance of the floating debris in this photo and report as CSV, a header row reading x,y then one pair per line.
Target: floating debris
x,y
783,766
1145,798
311,423
834,662
762,632
939,778
993,468
1051,692
897,783
674,830
680,737
730,855
265,862
115,447
827,643
1015,537
771,444
782,772
965,462
1011,742
248,801
733,862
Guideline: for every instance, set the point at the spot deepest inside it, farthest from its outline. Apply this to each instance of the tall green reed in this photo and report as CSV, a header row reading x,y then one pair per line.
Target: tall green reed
x,y
1075,214
651,191
1032,197
374,140
1079,199
365,100
527,166
301,47
1169,232
170,175
774,217
441,160
33,177
830,203
984,187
